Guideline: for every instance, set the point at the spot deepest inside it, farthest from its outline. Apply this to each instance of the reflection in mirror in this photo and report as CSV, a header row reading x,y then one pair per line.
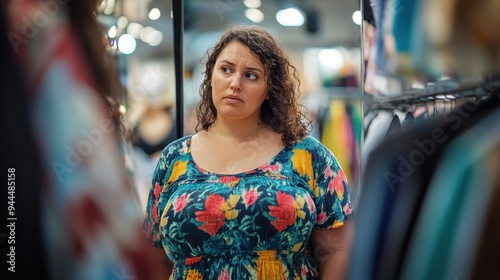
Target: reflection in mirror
x,y
322,39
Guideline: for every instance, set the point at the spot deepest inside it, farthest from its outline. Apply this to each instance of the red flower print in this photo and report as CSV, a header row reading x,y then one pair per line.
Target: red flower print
x,y
337,184
180,203
347,209
250,196
193,260
310,204
157,190
267,167
328,172
155,211
284,213
224,275
321,218
213,216
303,271
231,181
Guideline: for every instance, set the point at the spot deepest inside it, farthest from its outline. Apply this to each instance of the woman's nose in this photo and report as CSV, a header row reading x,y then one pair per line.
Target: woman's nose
x,y
235,83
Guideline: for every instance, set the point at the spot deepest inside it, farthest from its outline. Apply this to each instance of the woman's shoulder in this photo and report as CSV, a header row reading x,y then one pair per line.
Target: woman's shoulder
x,y
314,148
308,143
177,147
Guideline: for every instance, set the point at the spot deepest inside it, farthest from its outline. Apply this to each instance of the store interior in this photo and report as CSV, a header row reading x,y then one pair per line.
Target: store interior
x,y
404,93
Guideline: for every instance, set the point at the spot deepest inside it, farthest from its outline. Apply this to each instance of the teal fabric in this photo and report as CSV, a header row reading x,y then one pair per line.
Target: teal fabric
x,y
252,225
456,201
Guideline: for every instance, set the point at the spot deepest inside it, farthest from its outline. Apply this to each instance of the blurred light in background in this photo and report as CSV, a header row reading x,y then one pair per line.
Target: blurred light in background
x,y
253,4
154,14
110,7
134,29
254,15
122,22
356,17
126,44
112,32
123,109
290,17
331,59
151,36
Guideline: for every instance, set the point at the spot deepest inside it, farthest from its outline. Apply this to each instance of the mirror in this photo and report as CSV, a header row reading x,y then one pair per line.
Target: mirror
x,y
322,39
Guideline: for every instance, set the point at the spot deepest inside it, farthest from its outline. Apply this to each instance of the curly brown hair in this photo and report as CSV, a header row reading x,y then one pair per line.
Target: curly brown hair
x,y
281,111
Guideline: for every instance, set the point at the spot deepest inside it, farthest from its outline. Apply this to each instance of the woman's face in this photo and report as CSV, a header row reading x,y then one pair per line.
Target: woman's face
x,y
239,83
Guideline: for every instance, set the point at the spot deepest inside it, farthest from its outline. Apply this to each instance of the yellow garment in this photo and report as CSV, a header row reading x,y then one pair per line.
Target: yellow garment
x,y
334,136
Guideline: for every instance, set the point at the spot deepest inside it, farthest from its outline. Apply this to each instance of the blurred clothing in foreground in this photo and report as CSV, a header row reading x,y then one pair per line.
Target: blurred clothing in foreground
x,y
90,217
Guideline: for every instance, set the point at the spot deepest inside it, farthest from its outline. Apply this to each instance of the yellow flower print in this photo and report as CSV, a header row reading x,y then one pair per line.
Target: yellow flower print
x,y
268,267
298,204
179,169
296,247
193,275
228,207
164,220
337,224
229,181
301,161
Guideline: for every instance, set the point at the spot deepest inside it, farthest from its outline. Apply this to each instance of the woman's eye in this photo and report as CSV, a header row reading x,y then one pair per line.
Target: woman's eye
x,y
251,76
225,69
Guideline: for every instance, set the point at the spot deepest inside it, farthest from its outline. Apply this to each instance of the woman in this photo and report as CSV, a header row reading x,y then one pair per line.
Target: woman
x,y
250,196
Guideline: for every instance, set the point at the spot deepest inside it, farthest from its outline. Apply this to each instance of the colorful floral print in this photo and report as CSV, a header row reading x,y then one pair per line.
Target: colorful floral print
x,y
252,225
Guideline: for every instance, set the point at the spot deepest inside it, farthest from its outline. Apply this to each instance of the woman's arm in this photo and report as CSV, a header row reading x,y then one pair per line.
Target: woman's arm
x,y
331,247
162,265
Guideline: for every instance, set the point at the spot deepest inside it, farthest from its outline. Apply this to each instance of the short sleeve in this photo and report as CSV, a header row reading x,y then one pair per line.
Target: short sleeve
x,y
170,166
151,224
331,190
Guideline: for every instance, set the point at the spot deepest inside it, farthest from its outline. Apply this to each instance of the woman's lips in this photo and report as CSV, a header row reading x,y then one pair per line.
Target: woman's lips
x,y
233,99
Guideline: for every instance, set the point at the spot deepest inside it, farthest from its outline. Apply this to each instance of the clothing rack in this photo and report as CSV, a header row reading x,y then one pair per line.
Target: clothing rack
x,y
438,92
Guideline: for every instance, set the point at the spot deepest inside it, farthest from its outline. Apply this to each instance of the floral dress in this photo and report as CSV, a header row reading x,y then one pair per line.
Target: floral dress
x,y
252,225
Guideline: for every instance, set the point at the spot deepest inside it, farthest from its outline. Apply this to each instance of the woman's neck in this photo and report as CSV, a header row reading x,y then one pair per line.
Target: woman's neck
x,y
237,130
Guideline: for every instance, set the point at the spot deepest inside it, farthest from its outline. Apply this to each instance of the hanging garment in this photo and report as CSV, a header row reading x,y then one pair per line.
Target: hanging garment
x,y
89,215
453,203
395,181
484,264
334,135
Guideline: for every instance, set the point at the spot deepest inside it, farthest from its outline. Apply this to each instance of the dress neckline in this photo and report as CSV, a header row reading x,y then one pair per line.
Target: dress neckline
x,y
239,174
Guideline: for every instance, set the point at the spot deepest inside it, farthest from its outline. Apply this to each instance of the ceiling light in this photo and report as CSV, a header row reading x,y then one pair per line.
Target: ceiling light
x,y
356,17
254,15
290,17
126,44
154,14
252,4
